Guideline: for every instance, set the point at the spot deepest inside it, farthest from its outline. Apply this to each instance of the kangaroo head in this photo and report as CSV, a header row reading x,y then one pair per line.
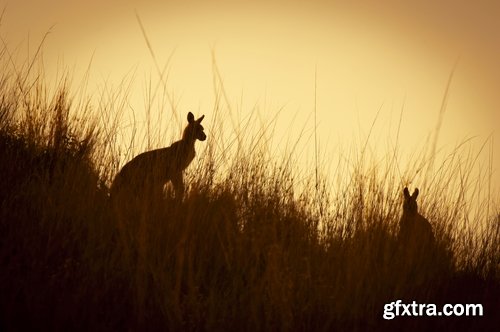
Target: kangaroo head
x,y
410,202
194,129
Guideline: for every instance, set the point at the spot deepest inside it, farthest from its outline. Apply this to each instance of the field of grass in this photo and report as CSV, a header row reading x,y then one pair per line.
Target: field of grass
x,y
252,247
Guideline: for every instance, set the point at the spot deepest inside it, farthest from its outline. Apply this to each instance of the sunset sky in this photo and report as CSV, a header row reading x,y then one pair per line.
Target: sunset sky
x,y
368,55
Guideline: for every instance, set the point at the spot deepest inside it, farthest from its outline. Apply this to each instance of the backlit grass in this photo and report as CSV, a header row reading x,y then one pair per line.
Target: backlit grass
x,y
255,244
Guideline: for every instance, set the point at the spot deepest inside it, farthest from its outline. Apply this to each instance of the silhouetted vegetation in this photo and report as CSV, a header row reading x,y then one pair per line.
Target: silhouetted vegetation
x,y
247,249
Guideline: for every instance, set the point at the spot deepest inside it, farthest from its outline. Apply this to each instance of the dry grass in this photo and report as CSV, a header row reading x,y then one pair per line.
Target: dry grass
x,y
253,246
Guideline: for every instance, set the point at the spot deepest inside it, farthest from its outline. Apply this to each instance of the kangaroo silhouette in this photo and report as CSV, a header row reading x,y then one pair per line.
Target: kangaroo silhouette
x,y
414,229
146,174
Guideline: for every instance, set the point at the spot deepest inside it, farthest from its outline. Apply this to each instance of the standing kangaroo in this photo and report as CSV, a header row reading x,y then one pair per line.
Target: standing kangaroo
x,y
147,173
413,227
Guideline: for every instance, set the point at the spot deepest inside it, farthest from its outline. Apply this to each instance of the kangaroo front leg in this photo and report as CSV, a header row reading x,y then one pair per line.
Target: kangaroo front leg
x,y
178,184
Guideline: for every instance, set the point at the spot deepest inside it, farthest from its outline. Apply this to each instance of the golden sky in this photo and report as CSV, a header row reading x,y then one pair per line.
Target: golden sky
x,y
368,55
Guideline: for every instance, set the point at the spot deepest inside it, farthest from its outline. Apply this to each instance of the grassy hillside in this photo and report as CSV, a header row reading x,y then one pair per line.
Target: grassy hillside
x,y
247,249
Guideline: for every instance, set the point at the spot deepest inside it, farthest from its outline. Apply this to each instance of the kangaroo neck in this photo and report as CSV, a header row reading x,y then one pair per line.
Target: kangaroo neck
x,y
188,142
407,214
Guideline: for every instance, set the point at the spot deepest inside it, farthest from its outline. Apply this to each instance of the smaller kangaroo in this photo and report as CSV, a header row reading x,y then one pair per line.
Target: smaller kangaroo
x,y
147,173
413,227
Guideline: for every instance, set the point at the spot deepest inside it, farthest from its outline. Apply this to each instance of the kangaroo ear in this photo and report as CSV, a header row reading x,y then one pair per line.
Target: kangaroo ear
x,y
200,119
415,193
406,192
190,117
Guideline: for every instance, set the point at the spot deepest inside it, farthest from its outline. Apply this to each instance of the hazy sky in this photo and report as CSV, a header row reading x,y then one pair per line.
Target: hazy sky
x,y
368,55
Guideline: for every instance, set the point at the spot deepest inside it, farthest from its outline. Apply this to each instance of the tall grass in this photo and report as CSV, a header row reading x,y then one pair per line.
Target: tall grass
x,y
255,244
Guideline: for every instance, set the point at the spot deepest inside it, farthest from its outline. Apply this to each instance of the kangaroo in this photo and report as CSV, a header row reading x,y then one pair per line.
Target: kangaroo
x,y
147,173
413,227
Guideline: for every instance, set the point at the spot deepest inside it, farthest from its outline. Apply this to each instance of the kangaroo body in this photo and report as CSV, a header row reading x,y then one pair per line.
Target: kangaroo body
x,y
414,229
147,173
